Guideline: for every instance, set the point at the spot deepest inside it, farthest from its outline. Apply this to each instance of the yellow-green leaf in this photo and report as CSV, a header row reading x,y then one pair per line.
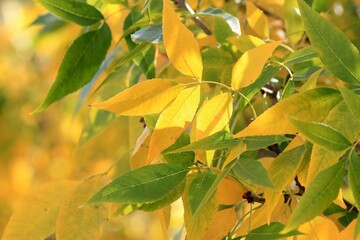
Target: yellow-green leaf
x,y
196,229
36,216
354,176
77,222
318,195
257,20
213,116
322,134
180,44
249,66
293,23
174,120
352,100
312,105
144,98
335,50
282,171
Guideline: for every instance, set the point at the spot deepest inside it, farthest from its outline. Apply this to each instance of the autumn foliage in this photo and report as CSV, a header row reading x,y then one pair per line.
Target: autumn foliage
x,y
249,112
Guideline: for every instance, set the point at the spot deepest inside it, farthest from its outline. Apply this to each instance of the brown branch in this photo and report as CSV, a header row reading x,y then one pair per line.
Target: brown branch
x,y
182,4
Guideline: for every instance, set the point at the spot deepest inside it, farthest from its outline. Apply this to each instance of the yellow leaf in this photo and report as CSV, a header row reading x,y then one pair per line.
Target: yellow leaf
x,y
234,153
83,222
348,232
245,42
229,192
257,20
173,121
144,98
141,150
249,66
319,228
312,105
180,44
214,115
36,216
311,82
222,223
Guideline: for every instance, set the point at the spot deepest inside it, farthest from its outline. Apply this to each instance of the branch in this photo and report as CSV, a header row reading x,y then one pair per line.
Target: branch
x,y
182,4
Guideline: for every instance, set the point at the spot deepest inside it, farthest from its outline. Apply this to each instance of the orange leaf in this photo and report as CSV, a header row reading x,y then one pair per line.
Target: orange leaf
x,y
174,120
180,44
257,20
249,66
144,98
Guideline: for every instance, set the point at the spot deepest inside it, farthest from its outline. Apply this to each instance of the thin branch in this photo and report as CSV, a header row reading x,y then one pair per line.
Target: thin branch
x,y
182,4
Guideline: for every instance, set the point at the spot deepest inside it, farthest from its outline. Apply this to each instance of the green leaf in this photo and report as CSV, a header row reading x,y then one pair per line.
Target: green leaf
x,y
259,142
199,187
79,65
271,231
74,11
251,90
337,53
352,100
143,185
231,20
300,56
318,195
322,134
151,34
171,197
218,140
288,90
354,176
252,171
185,159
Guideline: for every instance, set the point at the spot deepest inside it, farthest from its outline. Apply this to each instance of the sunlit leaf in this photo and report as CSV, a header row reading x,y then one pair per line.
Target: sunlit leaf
x,y
180,44
143,185
214,115
229,192
318,195
222,223
312,105
257,20
141,150
36,215
174,120
198,188
259,142
293,23
79,65
350,232
319,228
322,135
337,53
252,172
144,98
76,221
75,11
249,66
